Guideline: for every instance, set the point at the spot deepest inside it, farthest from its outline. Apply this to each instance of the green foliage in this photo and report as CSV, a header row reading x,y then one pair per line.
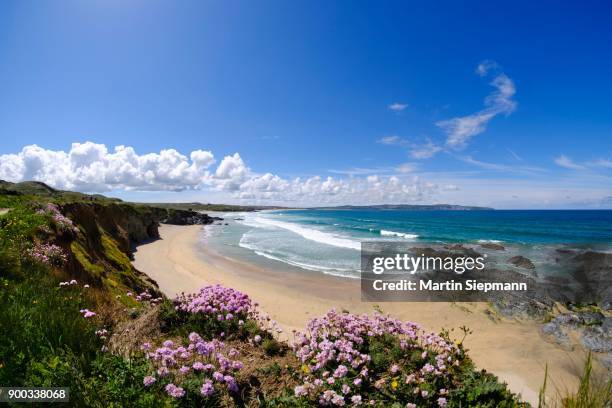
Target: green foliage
x,y
272,347
594,390
85,260
481,389
39,321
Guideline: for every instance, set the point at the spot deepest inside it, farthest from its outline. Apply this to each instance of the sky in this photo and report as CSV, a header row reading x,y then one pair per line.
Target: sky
x,y
311,102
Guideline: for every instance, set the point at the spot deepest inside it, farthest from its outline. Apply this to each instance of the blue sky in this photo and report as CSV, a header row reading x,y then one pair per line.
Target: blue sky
x,y
324,102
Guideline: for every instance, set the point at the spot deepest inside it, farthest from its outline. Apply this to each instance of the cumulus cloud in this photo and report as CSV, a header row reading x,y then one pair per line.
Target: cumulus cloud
x,y
461,129
398,107
92,167
566,162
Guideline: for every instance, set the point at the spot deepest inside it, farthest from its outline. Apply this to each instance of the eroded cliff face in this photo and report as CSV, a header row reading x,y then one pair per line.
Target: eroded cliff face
x,y
101,250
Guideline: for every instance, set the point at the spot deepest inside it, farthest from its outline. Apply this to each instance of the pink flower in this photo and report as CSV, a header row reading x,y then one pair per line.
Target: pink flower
x,y
148,380
207,389
174,391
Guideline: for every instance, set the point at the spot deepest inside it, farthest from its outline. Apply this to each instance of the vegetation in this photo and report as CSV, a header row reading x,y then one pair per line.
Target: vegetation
x,y
594,390
82,317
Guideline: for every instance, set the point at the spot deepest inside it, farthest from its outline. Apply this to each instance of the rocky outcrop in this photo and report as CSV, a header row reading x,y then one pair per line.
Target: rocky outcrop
x,y
522,262
187,217
493,246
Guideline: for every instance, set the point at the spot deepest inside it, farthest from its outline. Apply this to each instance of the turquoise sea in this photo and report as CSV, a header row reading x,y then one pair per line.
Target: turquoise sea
x,y
328,241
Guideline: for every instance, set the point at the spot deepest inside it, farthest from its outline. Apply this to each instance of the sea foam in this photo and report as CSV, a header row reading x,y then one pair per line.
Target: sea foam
x,y
309,233
387,233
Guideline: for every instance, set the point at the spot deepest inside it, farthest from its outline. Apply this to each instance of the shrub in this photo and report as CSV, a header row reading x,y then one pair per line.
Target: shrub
x,y
357,359
198,369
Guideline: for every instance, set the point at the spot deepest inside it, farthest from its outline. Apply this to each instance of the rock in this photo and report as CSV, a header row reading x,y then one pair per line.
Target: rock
x,y
606,361
555,332
594,275
522,262
493,246
597,339
575,320
186,217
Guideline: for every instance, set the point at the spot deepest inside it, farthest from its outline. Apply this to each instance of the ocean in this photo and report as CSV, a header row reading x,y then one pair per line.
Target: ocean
x,y
329,241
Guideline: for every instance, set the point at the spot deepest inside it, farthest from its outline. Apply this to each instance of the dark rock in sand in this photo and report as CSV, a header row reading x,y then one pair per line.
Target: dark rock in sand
x,y
522,262
594,274
598,338
579,319
493,246
555,333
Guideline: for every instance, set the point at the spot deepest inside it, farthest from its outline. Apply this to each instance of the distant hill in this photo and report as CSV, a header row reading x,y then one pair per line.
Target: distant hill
x,y
411,207
37,188
212,207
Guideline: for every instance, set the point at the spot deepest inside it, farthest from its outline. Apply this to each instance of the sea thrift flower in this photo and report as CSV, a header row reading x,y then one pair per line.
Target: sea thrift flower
x,y
174,391
87,313
47,254
148,381
335,352
207,388
356,400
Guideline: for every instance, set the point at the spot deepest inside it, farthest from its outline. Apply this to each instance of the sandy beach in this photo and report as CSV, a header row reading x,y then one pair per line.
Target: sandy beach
x,y
514,351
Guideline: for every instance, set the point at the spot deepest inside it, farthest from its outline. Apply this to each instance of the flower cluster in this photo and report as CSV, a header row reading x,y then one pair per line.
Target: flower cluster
x,y
87,313
218,301
225,311
210,363
47,254
102,334
69,283
356,359
63,223
145,296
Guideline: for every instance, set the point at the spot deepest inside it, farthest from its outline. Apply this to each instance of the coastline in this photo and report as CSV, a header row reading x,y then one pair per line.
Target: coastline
x,y
514,351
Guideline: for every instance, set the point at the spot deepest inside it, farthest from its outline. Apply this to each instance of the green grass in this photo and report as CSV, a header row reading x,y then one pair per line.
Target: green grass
x,y
594,390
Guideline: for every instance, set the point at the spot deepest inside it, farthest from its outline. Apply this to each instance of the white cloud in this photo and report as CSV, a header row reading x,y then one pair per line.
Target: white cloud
x,y
398,107
425,151
406,168
393,140
92,167
485,66
461,129
566,162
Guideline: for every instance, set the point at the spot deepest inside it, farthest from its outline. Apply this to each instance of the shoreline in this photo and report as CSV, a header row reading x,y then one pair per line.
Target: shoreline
x,y
514,351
